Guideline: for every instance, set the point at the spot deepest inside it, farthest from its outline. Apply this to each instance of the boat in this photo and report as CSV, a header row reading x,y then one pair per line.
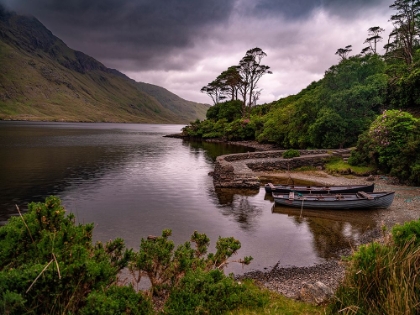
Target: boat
x,y
270,188
359,200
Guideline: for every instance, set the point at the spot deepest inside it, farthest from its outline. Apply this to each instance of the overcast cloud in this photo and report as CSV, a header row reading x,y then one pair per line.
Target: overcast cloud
x,y
184,44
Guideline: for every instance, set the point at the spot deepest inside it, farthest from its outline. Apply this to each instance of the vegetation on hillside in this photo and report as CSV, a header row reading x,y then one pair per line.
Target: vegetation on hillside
x,y
43,79
339,110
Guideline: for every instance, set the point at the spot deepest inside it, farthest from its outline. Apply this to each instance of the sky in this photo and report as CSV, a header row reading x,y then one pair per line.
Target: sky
x,y
182,45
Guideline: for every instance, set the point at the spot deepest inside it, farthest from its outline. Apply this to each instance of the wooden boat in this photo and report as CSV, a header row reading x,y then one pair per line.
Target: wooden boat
x,y
359,200
270,188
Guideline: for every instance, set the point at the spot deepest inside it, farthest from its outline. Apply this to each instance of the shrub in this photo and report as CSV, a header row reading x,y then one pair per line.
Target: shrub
x,y
165,265
241,129
229,111
48,264
392,144
291,154
117,300
407,233
211,293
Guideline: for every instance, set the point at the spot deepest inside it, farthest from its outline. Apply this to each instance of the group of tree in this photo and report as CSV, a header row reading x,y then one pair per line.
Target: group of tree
x,y
334,111
240,81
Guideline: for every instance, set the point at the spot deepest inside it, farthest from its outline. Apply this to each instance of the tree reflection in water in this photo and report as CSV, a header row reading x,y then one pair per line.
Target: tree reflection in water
x,y
235,203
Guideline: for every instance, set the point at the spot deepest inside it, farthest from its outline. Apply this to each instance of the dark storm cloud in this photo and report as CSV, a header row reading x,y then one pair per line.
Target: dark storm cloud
x,y
184,44
302,8
141,32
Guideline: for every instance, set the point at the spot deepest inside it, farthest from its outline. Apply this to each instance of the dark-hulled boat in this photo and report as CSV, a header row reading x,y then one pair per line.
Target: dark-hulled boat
x,y
270,188
359,200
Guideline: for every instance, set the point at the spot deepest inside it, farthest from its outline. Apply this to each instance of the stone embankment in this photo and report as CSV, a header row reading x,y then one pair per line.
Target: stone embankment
x,y
238,170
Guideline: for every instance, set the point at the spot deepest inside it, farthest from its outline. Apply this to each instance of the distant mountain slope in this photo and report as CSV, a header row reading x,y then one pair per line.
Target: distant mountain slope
x,y
173,102
43,79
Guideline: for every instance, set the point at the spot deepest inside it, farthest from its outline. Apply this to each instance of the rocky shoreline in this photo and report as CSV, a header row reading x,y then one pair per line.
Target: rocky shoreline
x,y
289,281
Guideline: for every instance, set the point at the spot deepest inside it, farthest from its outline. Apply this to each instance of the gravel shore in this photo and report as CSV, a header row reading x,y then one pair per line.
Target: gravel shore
x,y
289,281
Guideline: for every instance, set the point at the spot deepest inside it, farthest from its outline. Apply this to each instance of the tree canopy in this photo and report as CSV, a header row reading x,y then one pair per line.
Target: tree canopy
x,y
240,80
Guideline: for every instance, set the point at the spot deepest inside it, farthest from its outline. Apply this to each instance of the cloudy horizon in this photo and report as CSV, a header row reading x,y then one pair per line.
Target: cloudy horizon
x,y
182,45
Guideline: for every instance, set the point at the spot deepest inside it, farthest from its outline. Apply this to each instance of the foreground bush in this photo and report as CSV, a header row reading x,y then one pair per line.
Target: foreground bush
x,y
211,293
48,265
383,278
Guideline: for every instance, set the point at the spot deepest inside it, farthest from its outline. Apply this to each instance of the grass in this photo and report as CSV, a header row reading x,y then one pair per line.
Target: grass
x,y
279,304
339,166
381,279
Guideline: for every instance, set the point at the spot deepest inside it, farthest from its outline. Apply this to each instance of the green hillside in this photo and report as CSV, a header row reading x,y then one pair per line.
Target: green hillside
x,y
43,79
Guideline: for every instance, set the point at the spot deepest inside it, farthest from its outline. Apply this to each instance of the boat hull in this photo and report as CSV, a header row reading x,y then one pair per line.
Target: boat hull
x,y
338,202
318,189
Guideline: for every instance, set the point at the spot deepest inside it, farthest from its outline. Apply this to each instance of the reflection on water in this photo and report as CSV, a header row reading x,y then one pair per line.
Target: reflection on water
x,y
332,230
238,204
132,182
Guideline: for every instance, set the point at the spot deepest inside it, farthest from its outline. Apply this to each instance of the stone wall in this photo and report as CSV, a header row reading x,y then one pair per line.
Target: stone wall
x,y
266,154
224,176
237,170
285,164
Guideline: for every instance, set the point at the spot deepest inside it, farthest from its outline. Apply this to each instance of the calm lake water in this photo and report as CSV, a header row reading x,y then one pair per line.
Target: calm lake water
x,y
132,182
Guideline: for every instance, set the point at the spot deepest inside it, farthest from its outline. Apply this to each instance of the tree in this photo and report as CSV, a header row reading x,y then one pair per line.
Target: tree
x,y
251,70
405,36
231,81
215,90
343,52
373,39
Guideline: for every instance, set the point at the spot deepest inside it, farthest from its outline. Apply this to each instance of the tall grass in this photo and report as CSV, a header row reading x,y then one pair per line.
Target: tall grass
x,y
382,279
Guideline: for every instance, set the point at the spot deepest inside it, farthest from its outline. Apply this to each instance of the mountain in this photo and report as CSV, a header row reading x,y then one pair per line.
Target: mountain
x,y
41,78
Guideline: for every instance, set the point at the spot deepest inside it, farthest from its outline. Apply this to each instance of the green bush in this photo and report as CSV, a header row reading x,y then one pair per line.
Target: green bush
x,y
241,129
291,154
48,264
230,111
166,265
407,233
117,300
211,292
392,144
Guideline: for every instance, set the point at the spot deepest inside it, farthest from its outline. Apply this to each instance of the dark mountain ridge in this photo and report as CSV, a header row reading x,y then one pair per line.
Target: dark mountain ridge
x,y
41,78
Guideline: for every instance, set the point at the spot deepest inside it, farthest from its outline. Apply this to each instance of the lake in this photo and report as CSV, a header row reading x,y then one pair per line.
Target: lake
x,y
132,182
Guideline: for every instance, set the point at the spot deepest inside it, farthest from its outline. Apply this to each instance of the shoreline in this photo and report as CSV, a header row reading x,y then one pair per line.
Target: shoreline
x,y
288,281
